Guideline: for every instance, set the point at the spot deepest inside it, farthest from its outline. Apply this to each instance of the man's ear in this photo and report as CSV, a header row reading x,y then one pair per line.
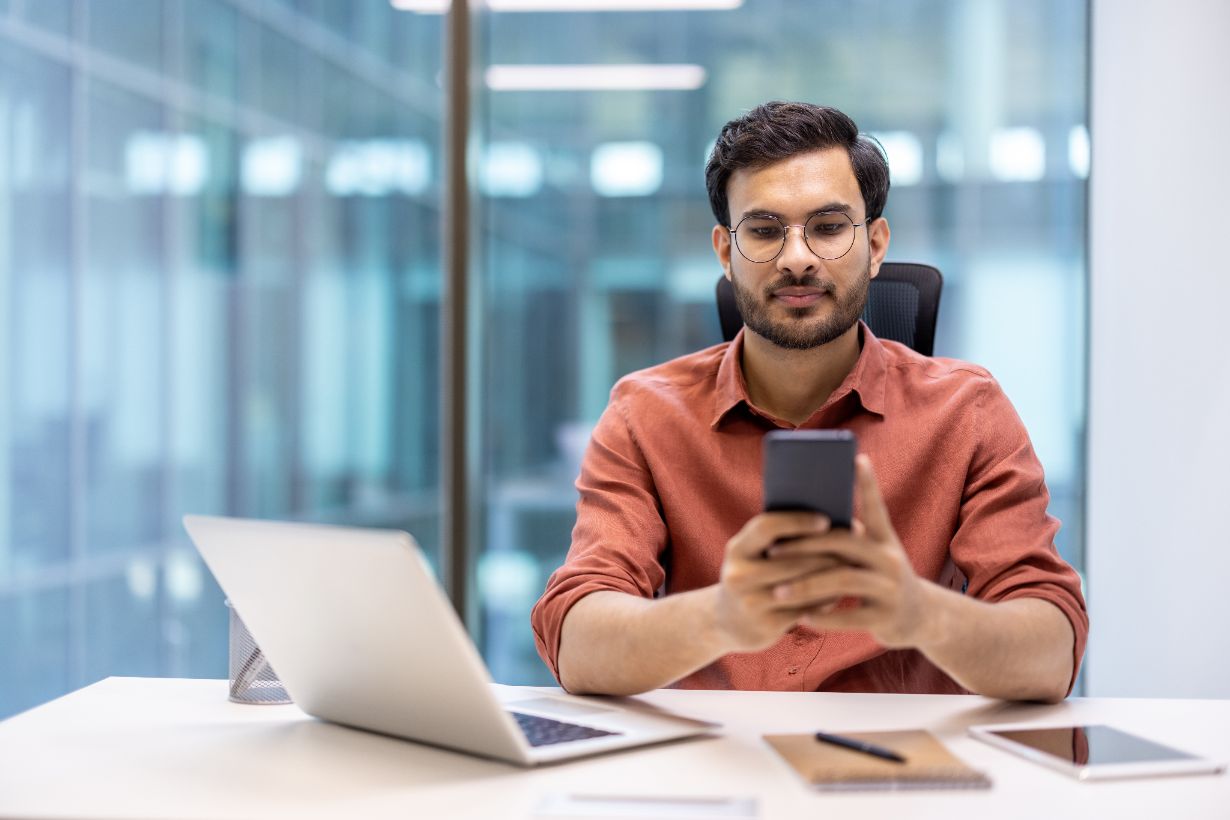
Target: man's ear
x,y
877,240
721,248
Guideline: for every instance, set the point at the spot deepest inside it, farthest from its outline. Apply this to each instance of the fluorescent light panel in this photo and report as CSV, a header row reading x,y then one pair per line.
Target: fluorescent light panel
x,y
1078,151
441,6
626,168
1018,154
595,77
511,169
905,156
271,166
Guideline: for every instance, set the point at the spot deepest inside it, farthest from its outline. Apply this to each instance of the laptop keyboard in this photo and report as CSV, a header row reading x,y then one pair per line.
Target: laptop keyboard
x,y
541,731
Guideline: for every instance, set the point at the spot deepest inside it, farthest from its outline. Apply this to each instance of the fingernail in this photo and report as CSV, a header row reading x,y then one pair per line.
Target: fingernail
x,y
781,591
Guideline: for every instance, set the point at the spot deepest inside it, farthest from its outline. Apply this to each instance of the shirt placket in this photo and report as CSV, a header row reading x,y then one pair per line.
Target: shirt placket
x,y
805,645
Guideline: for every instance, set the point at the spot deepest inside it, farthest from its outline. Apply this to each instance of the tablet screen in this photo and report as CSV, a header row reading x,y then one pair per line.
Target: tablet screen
x,y
1092,745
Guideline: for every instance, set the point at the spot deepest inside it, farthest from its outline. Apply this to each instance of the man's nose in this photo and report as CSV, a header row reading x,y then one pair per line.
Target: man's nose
x,y
796,256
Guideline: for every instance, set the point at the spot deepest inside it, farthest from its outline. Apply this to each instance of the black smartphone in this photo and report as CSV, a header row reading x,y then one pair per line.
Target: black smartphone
x,y
811,470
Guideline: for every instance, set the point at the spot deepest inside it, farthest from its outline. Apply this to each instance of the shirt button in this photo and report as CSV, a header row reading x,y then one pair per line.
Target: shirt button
x,y
794,670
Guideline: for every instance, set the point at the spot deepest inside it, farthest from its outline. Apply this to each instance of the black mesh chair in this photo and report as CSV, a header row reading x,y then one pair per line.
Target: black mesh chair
x,y
902,305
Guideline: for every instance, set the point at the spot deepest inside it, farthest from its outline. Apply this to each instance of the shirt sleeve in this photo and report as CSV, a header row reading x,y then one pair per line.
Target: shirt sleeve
x,y
1005,540
619,534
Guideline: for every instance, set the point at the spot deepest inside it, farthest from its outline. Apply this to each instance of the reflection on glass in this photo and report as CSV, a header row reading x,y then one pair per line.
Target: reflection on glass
x,y
35,310
53,15
35,639
1093,745
122,635
604,265
197,321
209,58
111,28
121,304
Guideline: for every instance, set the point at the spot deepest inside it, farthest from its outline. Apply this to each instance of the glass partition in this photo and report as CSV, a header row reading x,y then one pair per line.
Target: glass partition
x,y
220,285
597,257
220,269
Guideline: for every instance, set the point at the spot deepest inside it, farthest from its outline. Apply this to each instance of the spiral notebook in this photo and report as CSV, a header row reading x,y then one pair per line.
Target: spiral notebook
x,y
929,765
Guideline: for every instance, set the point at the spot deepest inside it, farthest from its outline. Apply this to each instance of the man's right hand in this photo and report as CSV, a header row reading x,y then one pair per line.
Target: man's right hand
x,y
747,616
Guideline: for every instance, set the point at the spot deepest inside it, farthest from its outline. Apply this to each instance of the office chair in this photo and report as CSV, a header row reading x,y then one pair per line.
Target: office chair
x,y
902,304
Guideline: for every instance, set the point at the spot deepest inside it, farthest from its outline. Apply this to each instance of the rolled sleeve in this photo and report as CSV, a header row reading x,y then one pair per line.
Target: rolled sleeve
x,y
1005,541
619,534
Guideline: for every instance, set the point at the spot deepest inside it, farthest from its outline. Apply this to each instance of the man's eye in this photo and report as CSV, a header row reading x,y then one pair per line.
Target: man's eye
x,y
765,232
829,228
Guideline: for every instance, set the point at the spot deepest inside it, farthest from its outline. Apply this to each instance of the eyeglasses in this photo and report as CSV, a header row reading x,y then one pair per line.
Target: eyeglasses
x,y
828,234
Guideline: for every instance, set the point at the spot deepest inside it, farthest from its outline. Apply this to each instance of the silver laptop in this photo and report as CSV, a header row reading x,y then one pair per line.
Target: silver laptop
x,y
360,633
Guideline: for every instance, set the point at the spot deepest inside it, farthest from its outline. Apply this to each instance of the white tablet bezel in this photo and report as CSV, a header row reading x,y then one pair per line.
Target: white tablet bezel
x,y
1097,771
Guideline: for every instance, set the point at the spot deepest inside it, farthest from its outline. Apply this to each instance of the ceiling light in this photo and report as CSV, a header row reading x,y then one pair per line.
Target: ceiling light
x,y
1078,151
1018,154
595,77
626,168
441,6
271,166
511,169
905,156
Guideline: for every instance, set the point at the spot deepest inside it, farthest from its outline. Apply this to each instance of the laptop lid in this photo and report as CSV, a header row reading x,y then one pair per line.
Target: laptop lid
x,y
360,633
358,630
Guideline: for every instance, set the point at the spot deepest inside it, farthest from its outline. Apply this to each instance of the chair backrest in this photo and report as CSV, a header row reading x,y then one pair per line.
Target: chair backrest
x,y
902,304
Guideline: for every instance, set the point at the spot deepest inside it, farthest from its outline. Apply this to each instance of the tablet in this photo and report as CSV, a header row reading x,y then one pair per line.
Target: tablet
x,y
1094,752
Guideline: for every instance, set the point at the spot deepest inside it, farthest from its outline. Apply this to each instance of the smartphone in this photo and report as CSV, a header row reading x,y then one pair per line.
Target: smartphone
x,y
1094,752
811,470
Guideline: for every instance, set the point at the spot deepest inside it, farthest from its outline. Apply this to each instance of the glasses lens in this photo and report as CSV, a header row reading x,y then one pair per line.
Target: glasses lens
x,y
830,235
760,238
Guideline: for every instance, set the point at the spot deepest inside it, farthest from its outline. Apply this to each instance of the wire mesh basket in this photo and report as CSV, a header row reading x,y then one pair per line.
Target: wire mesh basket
x,y
252,679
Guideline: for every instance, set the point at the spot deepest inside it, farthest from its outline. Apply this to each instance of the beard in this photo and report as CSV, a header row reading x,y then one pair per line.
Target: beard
x,y
796,333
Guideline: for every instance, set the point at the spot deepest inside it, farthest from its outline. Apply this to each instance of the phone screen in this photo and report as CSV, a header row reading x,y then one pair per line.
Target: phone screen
x,y
810,470
1093,745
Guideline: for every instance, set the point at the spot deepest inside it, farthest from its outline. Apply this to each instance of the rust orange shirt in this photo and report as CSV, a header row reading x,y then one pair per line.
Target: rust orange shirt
x,y
673,470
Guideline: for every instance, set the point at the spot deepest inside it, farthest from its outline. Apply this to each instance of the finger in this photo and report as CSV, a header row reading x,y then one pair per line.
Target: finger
x,y
861,617
824,587
753,574
872,511
807,614
847,546
763,530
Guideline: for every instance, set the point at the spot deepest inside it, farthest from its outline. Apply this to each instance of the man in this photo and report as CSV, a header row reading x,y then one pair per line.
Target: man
x,y
947,581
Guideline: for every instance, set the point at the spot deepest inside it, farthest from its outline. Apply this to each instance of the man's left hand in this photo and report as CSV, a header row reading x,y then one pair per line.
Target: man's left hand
x,y
890,600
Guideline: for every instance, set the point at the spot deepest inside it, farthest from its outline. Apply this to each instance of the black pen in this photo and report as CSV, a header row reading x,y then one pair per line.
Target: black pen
x,y
860,746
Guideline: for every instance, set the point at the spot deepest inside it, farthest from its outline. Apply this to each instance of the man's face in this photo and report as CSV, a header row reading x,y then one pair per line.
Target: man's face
x,y
799,301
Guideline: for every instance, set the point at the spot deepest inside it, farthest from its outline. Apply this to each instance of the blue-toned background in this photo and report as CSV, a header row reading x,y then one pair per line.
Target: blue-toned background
x,y
220,271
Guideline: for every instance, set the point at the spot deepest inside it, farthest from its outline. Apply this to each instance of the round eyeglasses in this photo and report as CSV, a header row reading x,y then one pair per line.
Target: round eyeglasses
x,y
828,234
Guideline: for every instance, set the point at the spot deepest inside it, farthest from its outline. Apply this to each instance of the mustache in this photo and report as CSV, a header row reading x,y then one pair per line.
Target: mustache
x,y
800,282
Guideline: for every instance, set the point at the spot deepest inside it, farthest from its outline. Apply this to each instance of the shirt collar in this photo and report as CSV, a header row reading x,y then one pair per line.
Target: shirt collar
x,y
731,387
867,381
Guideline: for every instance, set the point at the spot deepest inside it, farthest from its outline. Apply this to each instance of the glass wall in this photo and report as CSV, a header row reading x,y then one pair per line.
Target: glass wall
x,y
597,257
220,272
219,293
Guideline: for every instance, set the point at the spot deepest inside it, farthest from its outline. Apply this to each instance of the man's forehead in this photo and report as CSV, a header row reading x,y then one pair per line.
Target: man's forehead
x,y
816,180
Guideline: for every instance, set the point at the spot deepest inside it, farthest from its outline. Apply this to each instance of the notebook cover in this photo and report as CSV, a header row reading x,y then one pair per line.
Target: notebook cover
x,y
929,765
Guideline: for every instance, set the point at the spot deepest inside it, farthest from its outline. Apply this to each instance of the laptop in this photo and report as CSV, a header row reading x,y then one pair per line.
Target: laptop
x,y
361,634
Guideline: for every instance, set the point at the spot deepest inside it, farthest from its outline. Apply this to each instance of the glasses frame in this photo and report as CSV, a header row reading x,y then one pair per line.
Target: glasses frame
x,y
734,235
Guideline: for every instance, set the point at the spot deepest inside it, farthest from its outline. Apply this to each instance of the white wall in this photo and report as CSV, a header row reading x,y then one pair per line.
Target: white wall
x,y
1158,555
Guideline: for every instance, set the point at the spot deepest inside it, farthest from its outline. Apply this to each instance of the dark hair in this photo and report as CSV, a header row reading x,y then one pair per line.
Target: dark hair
x,y
777,130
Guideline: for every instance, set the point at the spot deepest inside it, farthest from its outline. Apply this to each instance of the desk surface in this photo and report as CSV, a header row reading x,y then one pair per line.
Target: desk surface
x,y
138,747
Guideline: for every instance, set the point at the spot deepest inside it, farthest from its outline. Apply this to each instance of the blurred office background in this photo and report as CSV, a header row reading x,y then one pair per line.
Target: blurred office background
x,y
221,277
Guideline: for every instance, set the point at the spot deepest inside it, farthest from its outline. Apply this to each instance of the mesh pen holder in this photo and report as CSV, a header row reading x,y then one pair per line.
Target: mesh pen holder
x,y
252,679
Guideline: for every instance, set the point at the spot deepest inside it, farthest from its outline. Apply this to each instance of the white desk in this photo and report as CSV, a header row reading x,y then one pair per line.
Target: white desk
x,y
137,747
